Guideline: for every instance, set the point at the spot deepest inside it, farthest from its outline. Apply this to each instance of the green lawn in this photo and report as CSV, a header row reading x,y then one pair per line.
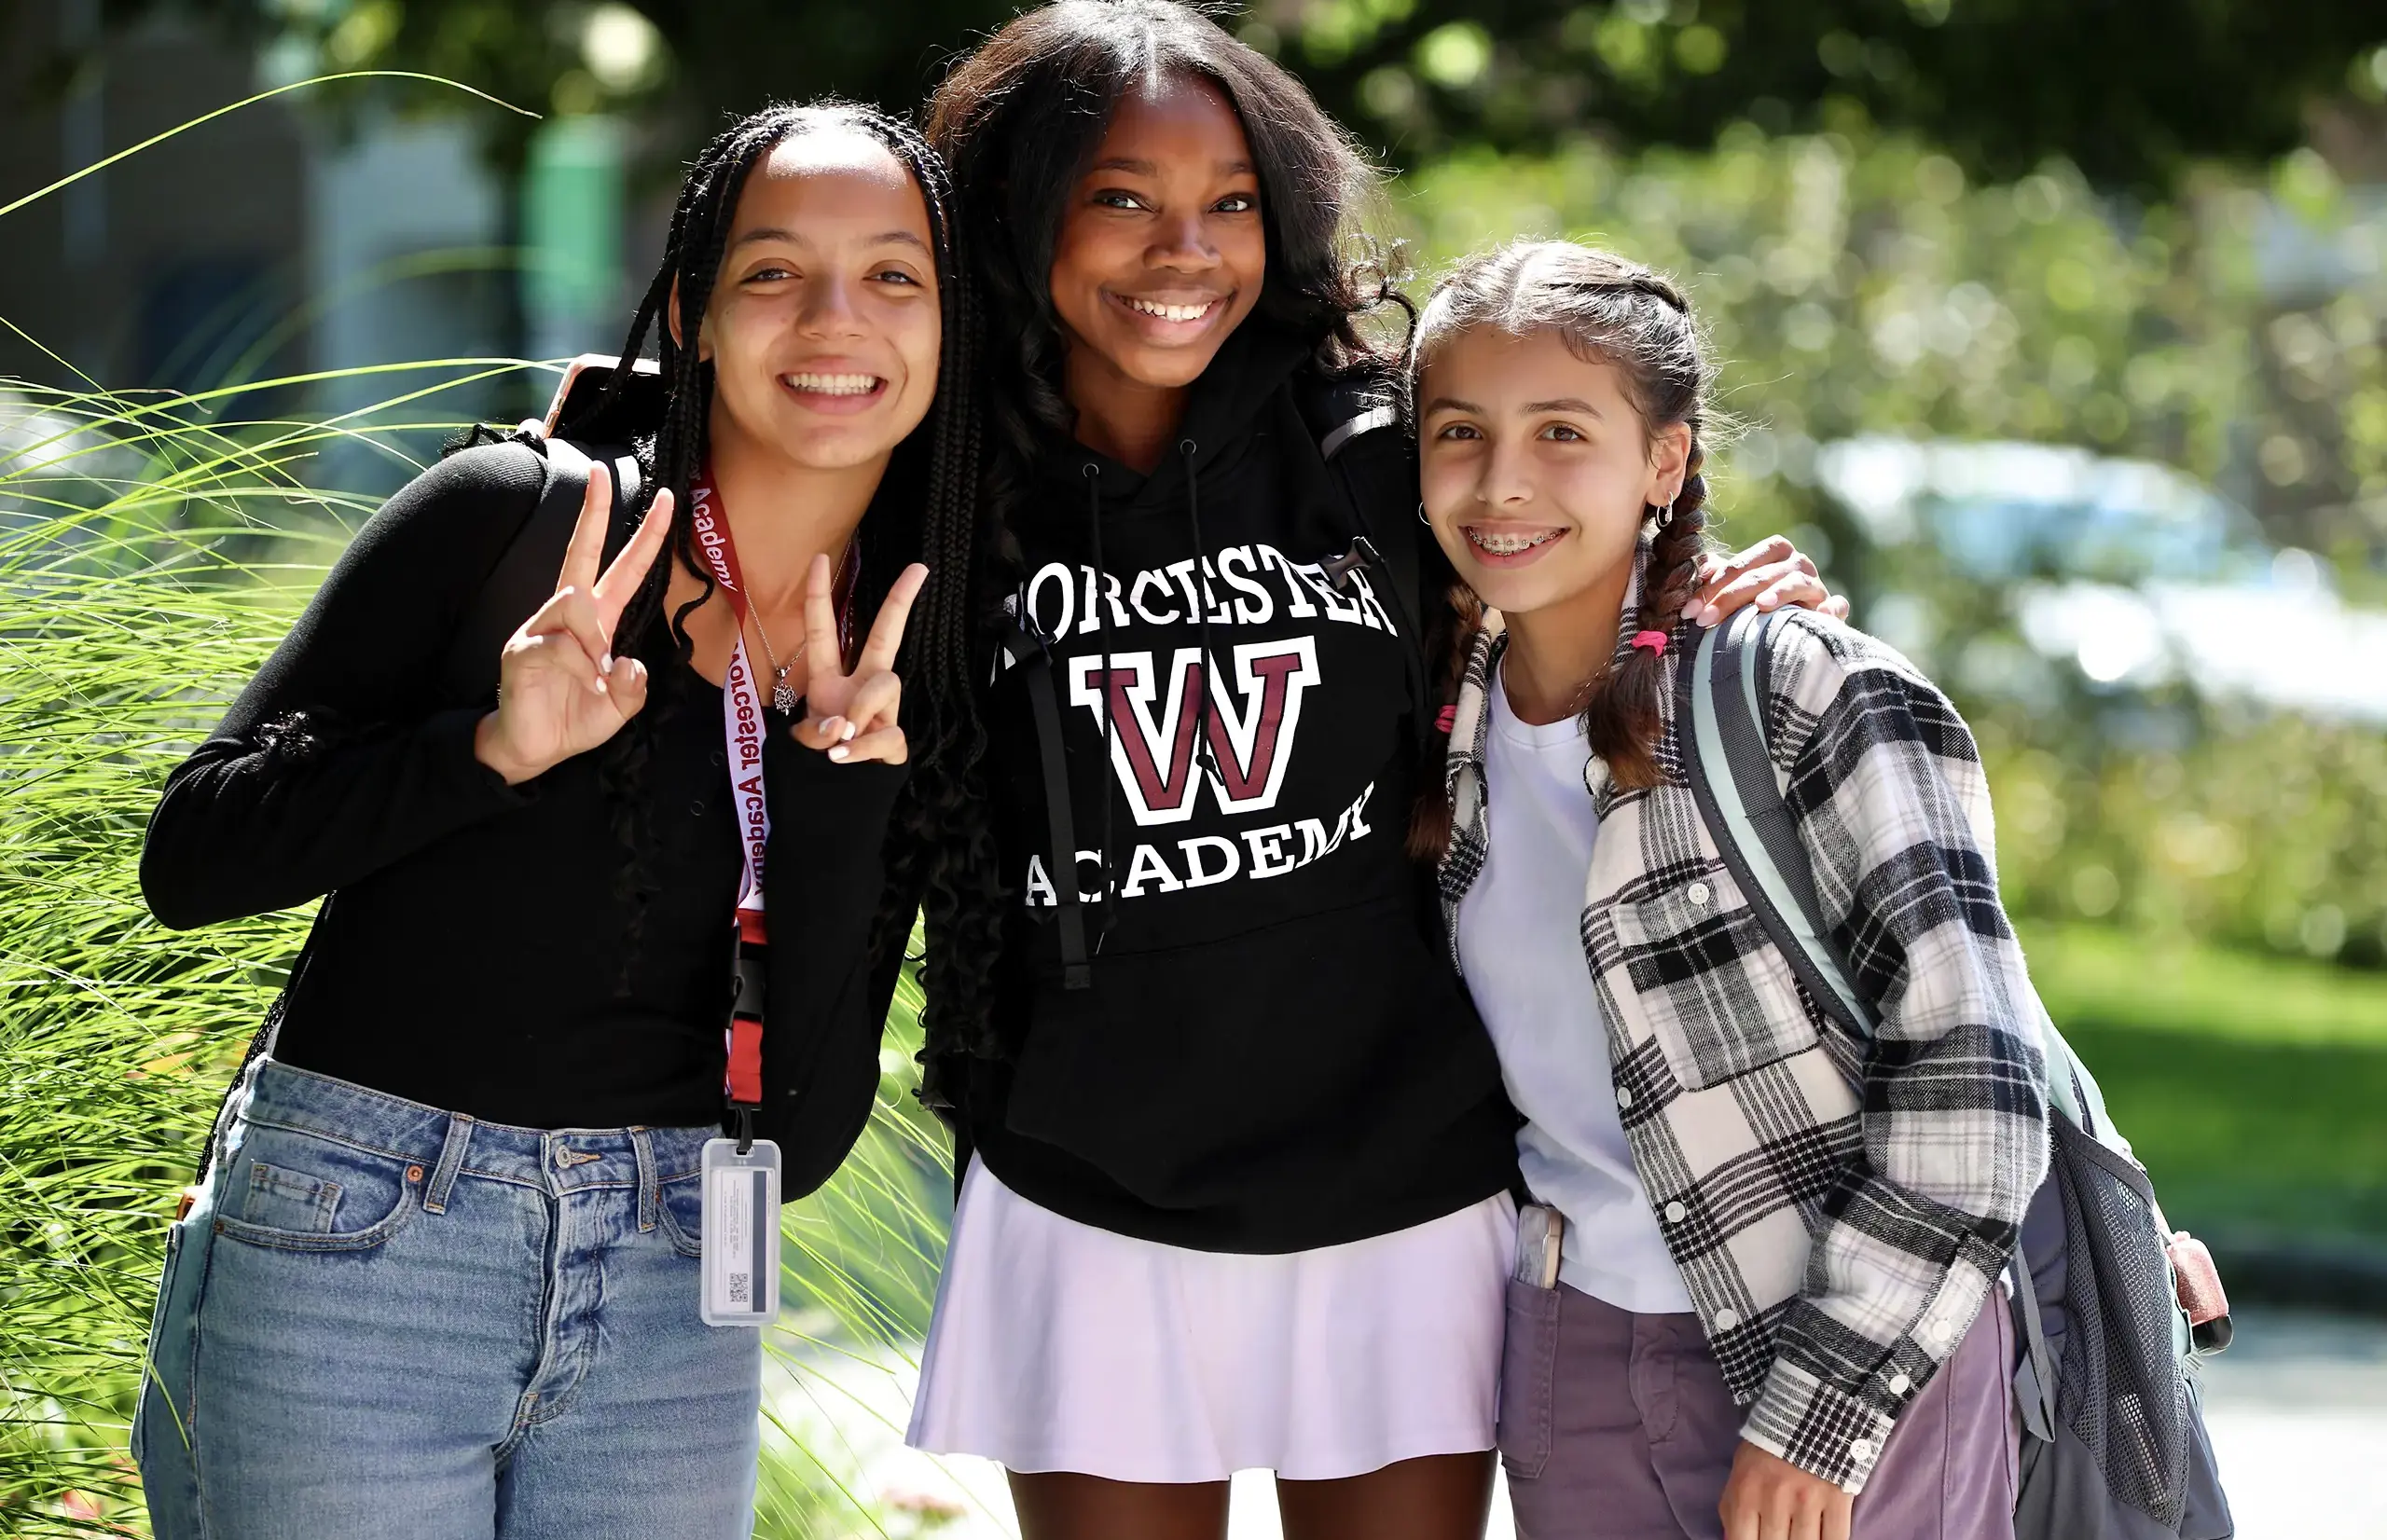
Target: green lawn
x,y
2254,1088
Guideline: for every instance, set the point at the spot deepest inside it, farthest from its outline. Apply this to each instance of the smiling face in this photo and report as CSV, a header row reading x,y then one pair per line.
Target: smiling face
x,y
1536,469
1162,250
823,329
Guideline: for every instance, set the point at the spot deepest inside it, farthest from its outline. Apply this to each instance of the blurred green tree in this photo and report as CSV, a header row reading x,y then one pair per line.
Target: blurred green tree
x,y
2131,93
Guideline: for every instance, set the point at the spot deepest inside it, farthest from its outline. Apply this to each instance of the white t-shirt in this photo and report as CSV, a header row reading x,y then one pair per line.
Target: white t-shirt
x,y
1519,937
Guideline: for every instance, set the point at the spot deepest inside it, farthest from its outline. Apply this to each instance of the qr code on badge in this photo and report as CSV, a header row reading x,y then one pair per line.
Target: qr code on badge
x,y
741,1291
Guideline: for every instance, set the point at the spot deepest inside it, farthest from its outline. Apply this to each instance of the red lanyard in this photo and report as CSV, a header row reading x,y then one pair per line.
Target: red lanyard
x,y
743,726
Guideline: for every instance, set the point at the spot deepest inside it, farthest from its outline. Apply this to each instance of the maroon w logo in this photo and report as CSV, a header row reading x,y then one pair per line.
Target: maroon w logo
x,y
1251,725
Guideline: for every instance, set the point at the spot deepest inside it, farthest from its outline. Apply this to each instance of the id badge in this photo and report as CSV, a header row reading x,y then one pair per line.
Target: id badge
x,y
740,1234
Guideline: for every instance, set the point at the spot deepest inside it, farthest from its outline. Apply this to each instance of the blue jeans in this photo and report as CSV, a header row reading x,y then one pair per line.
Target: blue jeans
x,y
387,1320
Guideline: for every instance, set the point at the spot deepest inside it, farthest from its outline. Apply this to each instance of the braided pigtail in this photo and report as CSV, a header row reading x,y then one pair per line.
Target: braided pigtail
x,y
1622,720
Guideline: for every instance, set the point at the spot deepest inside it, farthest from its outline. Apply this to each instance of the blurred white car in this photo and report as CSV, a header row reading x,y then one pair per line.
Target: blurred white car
x,y
2136,572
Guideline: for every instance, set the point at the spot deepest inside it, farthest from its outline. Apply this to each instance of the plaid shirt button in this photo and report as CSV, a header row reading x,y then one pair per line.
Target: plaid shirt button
x,y
1861,1450
1676,1213
1726,1319
1623,1097
1697,894
1900,1384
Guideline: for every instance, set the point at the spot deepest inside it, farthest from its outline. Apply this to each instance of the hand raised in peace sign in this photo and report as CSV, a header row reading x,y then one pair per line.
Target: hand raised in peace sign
x,y
560,692
852,715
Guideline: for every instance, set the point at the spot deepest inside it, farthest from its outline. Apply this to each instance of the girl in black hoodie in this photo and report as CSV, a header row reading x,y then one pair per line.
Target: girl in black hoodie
x,y
1235,1158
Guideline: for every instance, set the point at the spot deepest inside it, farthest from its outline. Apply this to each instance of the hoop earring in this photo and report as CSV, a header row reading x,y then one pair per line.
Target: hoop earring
x,y
1421,516
1667,515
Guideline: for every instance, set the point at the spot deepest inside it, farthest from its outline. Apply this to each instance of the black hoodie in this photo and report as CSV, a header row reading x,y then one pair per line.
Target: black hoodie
x,y
1270,1055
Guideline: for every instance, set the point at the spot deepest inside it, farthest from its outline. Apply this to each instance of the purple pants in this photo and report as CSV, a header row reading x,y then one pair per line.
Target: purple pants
x,y
1618,1426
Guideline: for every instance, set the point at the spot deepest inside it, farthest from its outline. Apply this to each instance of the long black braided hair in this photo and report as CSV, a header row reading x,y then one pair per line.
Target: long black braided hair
x,y
925,510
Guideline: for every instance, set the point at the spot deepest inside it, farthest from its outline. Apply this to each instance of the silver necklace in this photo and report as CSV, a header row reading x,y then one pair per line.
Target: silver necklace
x,y
782,692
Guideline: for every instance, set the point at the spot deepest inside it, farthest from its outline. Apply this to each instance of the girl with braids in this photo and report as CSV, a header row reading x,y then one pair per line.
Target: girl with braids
x,y
443,1279
1232,1148
1777,1241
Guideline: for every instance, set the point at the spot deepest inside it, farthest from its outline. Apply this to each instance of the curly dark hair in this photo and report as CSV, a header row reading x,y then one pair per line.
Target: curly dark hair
x,y
1018,121
924,511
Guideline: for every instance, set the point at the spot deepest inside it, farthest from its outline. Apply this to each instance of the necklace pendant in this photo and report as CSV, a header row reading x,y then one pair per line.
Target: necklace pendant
x,y
782,696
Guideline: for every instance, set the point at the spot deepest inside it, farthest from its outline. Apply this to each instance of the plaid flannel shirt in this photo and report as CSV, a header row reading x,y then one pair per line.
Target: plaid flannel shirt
x,y
1840,1210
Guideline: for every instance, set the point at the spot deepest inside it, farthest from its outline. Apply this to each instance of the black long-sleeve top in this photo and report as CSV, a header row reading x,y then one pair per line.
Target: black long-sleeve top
x,y
481,947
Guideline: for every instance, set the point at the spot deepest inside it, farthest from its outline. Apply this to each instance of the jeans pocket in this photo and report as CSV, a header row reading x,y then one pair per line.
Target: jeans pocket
x,y
289,1199
298,1190
1528,1379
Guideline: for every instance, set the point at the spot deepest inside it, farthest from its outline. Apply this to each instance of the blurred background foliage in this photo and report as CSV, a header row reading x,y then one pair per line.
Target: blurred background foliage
x,y
2104,284
1855,283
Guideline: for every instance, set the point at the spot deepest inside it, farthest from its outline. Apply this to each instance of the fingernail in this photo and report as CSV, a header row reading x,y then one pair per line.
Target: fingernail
x,y
834,727
598,685
840,753
605,666
850,729
1710,616
1767,601
1690,608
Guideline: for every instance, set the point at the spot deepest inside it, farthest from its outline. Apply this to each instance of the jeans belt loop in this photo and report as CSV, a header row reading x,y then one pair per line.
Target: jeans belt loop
x,y
451,1159
649,1191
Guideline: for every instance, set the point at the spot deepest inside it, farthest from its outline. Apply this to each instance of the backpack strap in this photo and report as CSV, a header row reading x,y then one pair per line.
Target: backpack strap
x,y
1358,437
1720,690
1028,650
1376,474
1720,693
524,577
2035,1376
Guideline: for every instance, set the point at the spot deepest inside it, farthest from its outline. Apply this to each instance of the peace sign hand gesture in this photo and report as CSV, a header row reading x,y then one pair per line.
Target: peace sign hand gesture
x,y
560,692
852,715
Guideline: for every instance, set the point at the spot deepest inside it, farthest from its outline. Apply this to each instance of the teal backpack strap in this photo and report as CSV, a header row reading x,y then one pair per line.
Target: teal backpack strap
x,y
1719,697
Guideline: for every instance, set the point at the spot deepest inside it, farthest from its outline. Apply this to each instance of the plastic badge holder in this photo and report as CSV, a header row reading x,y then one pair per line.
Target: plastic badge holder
x,y
741,1234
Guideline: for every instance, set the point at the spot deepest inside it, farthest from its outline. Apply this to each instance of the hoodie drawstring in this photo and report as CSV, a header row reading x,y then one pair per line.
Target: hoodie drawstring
x,y
1203,754
1093,473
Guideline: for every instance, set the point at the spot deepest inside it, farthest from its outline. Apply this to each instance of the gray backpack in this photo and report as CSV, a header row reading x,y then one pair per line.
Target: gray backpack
x,y
2114,1442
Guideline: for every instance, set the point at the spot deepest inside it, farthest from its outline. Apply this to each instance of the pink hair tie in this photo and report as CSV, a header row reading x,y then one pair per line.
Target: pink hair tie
x,y
1446,718
1654,640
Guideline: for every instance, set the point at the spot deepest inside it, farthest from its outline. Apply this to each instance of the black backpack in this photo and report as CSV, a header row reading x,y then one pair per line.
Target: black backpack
x,y
2113,1443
